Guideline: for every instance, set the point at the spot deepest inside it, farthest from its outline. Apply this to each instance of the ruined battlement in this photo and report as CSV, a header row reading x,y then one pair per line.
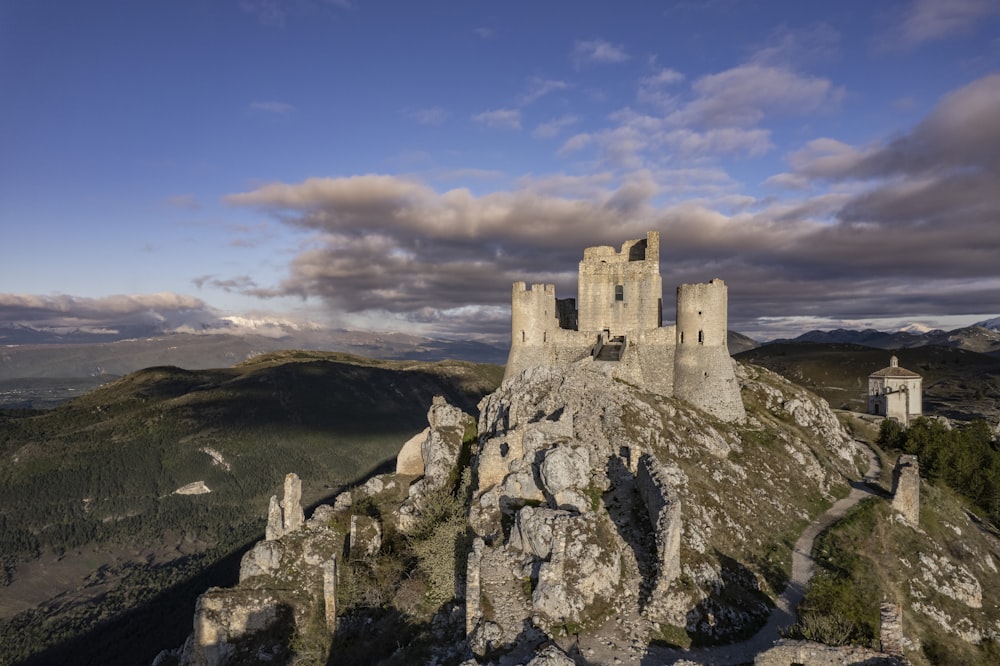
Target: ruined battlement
x,y
617,317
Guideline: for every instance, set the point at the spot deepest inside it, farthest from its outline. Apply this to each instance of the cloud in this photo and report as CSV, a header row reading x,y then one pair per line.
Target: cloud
x,y
932,20
483,33
597,51
500,119
554,127
240,284
787,47
539,87
653,88
109,315
638,140
272,108
902,227
744,95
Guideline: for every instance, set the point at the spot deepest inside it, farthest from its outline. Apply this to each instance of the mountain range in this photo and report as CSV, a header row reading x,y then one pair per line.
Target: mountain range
x,y
982,337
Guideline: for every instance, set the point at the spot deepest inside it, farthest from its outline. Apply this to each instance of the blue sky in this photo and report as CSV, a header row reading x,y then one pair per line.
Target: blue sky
x,y
396,165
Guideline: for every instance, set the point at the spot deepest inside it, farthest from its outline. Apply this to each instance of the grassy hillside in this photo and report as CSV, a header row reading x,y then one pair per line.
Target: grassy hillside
x,y
94,479
957,383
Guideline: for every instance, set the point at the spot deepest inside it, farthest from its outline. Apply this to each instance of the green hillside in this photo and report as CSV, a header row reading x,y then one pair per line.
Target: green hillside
x,y
94,479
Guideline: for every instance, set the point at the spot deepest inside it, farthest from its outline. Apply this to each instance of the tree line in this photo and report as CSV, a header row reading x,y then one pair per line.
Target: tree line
x,y
966,457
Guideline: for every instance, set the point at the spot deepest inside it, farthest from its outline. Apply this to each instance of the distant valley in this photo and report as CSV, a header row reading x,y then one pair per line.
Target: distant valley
x,y
40,369
85,488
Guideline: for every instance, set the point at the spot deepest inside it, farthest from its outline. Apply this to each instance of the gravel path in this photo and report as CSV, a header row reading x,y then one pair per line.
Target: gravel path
x,y
783,615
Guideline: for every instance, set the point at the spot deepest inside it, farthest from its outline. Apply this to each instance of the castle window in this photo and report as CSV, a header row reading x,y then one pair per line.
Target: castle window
x,y
522,336
682,337
545,336
619,293
701,337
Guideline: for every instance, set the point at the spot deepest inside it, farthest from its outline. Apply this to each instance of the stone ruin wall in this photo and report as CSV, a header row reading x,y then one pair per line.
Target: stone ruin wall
x,y
906,489
698,370
536,338
665,514
637,270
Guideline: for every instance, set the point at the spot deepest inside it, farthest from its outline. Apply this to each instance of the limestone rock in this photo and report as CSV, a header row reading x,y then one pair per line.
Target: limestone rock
x,y
550,655
195,488
225,621
787,652
410,459
440,451
533,531
285,516
366,537
275,520
563,470
263,558
291,505
578,582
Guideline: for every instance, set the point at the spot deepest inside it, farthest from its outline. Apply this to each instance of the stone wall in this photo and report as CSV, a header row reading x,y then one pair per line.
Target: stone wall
x,y
664,511
906,489
689,361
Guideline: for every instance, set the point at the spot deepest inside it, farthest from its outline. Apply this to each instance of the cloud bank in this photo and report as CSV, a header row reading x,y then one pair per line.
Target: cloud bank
x,y
901,227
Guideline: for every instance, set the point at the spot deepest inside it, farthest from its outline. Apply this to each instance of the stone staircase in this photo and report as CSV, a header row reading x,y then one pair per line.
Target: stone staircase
x,y
612,350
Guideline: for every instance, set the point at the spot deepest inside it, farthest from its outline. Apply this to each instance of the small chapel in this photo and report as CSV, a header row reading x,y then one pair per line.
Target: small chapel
x,y
895,393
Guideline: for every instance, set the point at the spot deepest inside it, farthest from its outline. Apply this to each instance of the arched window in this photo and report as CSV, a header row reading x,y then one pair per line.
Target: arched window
x,y
522,336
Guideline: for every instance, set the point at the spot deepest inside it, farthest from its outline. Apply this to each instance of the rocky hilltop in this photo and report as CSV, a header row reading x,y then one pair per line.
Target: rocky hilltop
x,y
581,521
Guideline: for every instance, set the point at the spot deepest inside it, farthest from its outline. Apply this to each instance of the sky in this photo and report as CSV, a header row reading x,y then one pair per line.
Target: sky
x,y
396,165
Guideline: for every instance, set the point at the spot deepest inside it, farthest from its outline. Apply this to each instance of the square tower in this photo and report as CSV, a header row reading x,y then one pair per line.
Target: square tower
x,y
621,292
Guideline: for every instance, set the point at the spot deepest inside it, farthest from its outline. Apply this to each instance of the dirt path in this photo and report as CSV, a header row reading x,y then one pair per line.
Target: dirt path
x,y
783,615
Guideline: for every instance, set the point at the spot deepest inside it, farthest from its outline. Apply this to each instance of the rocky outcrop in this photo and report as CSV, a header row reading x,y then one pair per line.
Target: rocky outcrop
x,y
410,459
806,653
577,534
283,579
225,619
285,516
577,509
440,450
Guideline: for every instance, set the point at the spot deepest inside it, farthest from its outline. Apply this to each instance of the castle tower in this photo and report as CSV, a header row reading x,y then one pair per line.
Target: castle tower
x,y
621,292
534,319
703,368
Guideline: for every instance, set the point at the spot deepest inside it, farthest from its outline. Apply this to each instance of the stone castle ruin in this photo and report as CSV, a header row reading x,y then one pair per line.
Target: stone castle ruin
x,y
616,321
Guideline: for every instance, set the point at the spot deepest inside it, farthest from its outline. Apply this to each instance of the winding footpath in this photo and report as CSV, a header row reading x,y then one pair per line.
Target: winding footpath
x,y
783,614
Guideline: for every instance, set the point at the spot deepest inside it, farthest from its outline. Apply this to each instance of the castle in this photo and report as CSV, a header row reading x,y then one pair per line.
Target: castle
x,y
616,321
